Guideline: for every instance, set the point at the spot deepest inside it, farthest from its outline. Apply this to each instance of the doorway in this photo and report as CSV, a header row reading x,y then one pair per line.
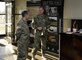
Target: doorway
x,y
2,18
5,18
8,18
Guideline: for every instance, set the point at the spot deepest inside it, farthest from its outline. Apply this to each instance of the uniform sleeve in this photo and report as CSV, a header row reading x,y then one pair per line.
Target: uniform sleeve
x,y
18,31
34,23
47,22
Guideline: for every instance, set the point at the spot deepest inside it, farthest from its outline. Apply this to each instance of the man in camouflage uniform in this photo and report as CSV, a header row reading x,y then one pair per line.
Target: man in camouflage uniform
x,y
22,35
40,25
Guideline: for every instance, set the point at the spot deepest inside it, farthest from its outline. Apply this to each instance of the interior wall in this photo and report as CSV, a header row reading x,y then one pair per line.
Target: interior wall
x,y
33,11
72,10
66,24
20,5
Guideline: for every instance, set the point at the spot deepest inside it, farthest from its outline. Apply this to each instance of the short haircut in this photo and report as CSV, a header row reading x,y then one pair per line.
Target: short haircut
x,y
24,13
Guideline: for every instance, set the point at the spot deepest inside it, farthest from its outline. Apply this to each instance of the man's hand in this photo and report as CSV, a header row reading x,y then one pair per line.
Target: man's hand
x,y
39,28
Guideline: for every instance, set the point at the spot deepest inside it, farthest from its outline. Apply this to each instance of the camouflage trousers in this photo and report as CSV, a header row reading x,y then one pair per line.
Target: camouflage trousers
x,y
22,50
39,40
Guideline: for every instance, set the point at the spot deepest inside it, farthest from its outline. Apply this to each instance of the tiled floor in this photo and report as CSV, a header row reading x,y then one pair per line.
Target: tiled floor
x,y
7,52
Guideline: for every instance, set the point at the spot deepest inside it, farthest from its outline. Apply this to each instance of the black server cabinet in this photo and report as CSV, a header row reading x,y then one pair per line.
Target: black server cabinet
x,y
54,9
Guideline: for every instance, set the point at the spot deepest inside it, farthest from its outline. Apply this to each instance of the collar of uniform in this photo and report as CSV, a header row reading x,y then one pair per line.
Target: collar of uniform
x,y
24,21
